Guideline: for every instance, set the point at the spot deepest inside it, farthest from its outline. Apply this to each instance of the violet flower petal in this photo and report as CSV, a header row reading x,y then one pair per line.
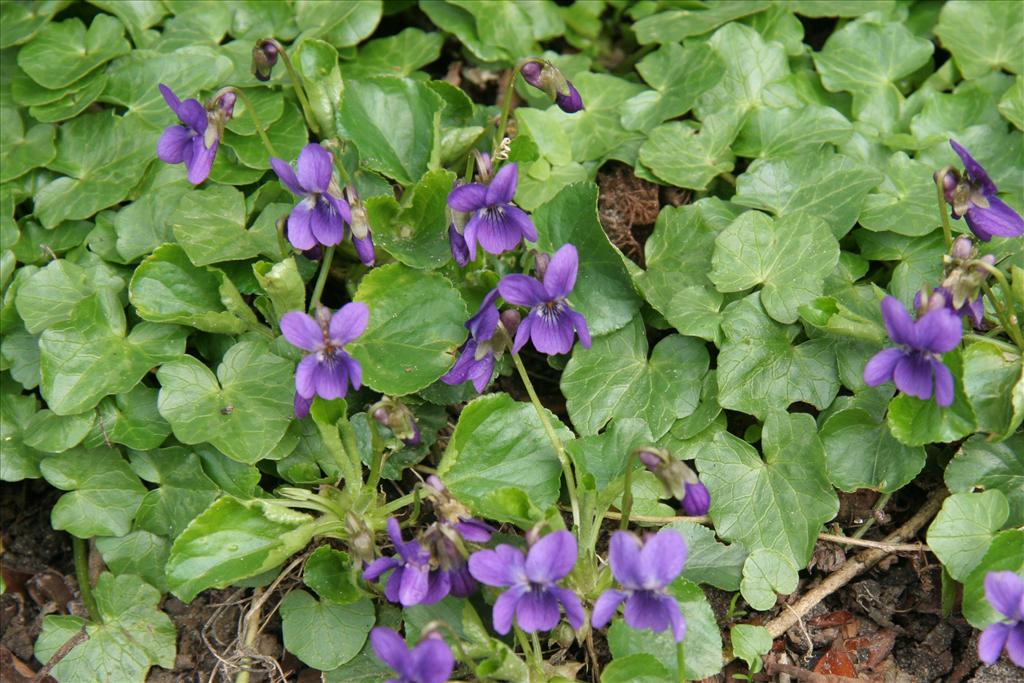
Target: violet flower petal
x,y
431,661
992,641
503,186
537,610
974,169
468,198
502,566
314,168
300,233
174,145
349,322
522,290
605,607
913,375
897,321
624,556
943,384
662,558
999,220
571,604
938,331
881,366
286,175
301,330
1005,592
560,276
390,649
305,377
552,334
551,558
505,608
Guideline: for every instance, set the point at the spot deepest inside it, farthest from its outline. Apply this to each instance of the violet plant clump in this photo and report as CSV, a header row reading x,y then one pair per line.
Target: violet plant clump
x,y
327,371
495,223
320,216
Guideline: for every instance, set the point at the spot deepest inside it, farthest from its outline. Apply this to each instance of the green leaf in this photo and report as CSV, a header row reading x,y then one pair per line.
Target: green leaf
x,y
750,643
994,384
596,132
133,636
765,573
167,288
603,293
821,183
332,575
103,495
72,101
982,37
904,203
920,259
777,503
131,419
52,433
861,453
136,16
1012,104
709,561
50,295
244,410
288,135
139,552
638,668
340,24
324,635
678,258
210,226
415,326
102,156
19,22
498,443
234,540
703,642
317,63
679,154
678,76
62,53
24,150
20,461
497,31
787,130
283,285
604,456
415,232
751,64
990,466
393,123
616,379
134,78
89,356
676,24
398,55
1006,553
864,55
269,106
964,528
789,257
143,225
916,422
759,368
182,490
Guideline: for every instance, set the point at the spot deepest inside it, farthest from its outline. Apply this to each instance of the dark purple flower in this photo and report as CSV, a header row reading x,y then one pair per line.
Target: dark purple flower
x,y
301,405
320,216
545,76
264,57
457,243
533,595
975,197
195,141
975,310
476,357
429,662
327,370
551,321
1005,592
414,580
916,367
570,101
496,223
644,570
362,240
697,500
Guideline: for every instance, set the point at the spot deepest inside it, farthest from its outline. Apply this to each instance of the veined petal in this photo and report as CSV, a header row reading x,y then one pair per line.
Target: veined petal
x,y
332,380
414,587
897,321
326,223
644,609
349,322
998,219
521,221
881,366
913,375
503,187
314,168
537,610
523,332
551,558
481,372
604,608
467,198
174,144
305,376
439,584
472,226
301,330
580,323
624,556
522,290
560,276
300,235
202,160
353,368
497,230
286,175
553,333
662,558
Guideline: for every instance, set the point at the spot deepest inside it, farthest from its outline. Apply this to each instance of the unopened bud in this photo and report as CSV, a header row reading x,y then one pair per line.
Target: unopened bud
x,y
540,263
264,57
394,415
510,320
963,247
544,75
457,243
697,500
672,473
226,103
360,539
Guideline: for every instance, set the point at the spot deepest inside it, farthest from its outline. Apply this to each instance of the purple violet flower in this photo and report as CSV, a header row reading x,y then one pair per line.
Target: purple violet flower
x,y
533,595
551,321
456,227
644,570
916,366
301,405
1005,592
327,370
476,357
321,214
545,76
362,240
414,581
974,310
195,141
496,223
697,500
429,662
975,197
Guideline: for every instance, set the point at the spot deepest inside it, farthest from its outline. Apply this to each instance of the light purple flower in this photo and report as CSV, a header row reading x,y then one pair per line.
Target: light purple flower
x,y
414,580
916,367
496,223
195,141
533,595
551,321
327,370
320,216
429,662
1005,592
975,197
644,570
476,357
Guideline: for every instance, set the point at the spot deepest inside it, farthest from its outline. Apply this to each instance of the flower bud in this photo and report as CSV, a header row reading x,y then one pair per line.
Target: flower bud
x,y
264,57
963,247
540,263
544,75
570,102
360,539
510,320
301,406
394,415
457,243
697,500
669,471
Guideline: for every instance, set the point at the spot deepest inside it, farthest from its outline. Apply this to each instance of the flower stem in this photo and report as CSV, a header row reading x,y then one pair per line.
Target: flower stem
x,y
681,660
399,503
563,459
255,120
538,652
1005,317
879,504
82,575
378,456
321,280
297,85
947,229
506,107
1009,310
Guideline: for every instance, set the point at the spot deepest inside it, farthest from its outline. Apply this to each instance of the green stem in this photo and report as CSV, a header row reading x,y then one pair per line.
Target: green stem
x,y
321,279
252,630
255,120
1005,318
399,503
506,108
297,85
538,651
470,165
1007,310
947,229
563,459
627,494
524,644
681,660
879,504
82,575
